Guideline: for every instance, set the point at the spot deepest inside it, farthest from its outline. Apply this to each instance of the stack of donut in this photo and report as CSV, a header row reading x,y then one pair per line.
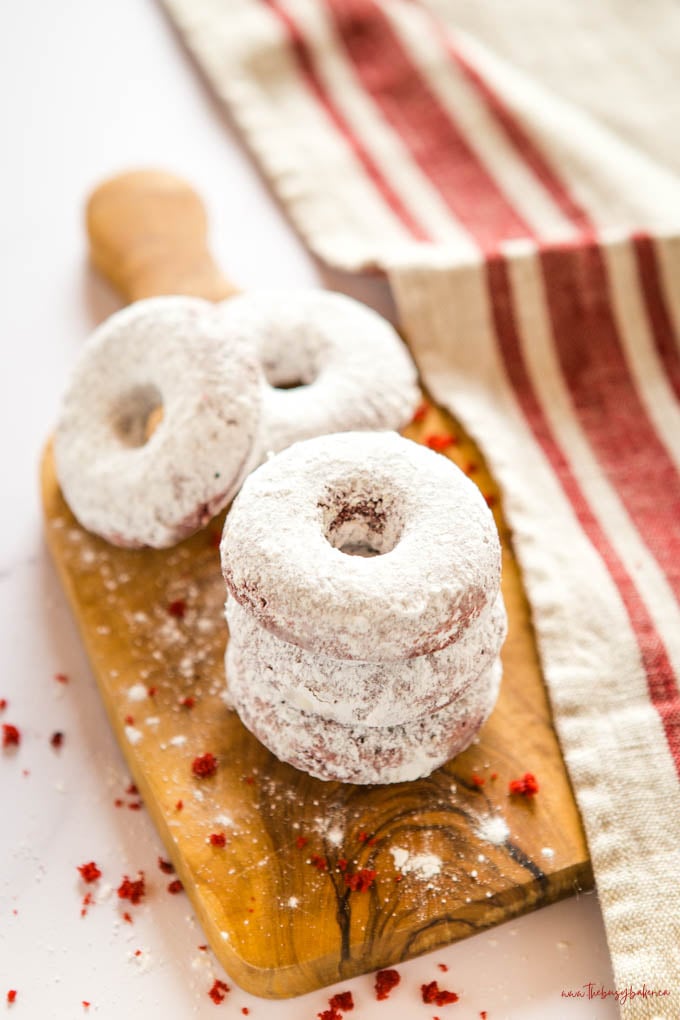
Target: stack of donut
x,y
226,385
363,606
362,569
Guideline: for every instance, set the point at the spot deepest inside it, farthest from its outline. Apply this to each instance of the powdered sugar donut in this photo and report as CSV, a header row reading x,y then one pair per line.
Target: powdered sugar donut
x,y
330,363
370,693
359,754
288,538
166,352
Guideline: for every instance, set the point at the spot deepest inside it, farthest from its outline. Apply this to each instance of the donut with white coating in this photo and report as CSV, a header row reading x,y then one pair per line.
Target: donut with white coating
x,y
330,364
332,751
139,490
371,693
287,541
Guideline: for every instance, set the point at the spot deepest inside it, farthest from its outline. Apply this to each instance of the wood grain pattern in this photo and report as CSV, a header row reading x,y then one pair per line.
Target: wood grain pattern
x,y
279,925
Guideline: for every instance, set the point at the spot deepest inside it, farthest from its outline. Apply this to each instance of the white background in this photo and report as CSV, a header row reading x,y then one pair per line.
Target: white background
x,y
90,88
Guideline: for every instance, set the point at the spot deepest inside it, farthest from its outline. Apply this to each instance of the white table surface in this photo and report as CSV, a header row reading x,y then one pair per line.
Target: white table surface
x,y
90,88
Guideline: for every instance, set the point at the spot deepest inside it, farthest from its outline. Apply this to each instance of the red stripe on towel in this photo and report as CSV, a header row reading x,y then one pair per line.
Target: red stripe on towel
x,y
661,682
663,332
302,54
523,144
607,403
408,105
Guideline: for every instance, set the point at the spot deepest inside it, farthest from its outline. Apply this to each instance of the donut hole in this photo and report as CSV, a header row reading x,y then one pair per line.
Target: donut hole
x,y
361,525
291,370
136,415
289,384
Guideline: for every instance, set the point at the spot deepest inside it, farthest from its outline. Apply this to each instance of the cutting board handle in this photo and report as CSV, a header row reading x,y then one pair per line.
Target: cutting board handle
x,y
148,236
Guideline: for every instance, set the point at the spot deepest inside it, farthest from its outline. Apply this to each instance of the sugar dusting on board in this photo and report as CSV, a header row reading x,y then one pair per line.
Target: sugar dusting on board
x,y
493,829
421,865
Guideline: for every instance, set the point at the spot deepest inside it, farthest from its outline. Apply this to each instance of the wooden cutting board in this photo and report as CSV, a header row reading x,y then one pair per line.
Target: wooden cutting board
x,y
452,854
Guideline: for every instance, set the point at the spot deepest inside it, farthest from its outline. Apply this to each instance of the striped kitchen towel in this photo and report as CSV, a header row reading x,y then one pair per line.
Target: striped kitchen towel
x,y
526,210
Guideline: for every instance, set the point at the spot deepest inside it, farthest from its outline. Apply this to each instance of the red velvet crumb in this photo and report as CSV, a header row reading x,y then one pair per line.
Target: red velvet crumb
x,y
301,842
12,995
175,887
385,981
218,991
433,993
361,881
57,739
218,839
420,412
134,891
89,872
177,608
527,786
3,704
342,1001
440,441
61,678
204,766
166,866
11,737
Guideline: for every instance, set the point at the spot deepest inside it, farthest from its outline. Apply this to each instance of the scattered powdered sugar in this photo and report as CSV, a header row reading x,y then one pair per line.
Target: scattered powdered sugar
x,y
178,740
105,892
331,831
203,961
134,735
400,857
224,820
138,692
142,959
547,851
293,902
493,829
335,836
420,865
